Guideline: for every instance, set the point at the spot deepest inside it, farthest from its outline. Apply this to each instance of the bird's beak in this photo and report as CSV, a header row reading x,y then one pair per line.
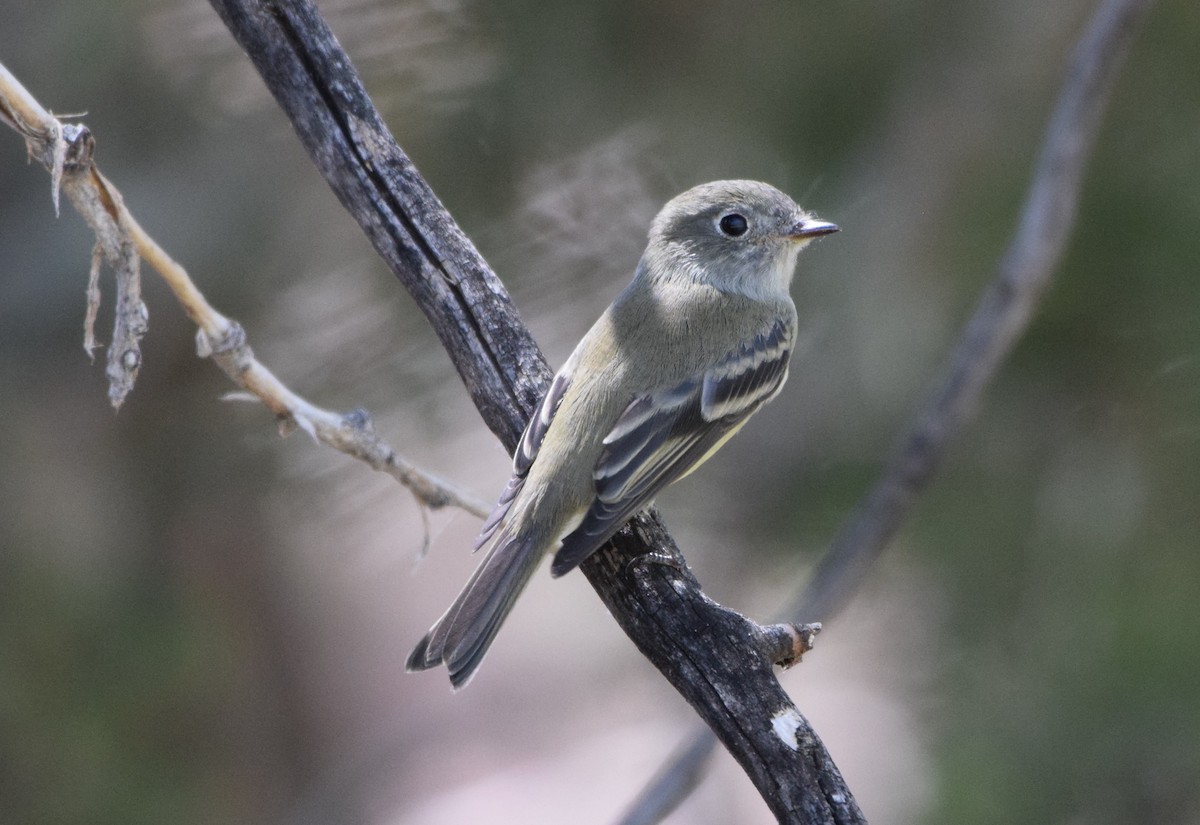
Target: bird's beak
x,y
812,228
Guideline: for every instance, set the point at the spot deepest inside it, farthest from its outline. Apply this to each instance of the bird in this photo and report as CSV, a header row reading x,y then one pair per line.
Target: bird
x,y
697,342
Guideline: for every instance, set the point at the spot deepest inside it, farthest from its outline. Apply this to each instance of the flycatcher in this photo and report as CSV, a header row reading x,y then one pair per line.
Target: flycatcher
x,y
698,341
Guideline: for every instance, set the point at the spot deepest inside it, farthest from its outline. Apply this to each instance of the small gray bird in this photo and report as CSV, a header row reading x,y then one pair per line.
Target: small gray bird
x,y
698,341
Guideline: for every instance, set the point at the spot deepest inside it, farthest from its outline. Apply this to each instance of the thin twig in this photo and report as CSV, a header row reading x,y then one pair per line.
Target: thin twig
x,y
1002,315
66,150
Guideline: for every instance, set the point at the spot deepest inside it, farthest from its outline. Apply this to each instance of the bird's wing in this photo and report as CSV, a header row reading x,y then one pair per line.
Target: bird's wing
x,y
461,637
527,448
664,435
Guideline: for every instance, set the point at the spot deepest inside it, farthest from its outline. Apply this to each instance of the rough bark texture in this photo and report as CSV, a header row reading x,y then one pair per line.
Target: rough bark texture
x,y
714,657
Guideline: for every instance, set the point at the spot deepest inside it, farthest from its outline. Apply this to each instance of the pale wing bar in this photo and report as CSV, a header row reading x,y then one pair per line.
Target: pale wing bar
x,y
662,436
526,452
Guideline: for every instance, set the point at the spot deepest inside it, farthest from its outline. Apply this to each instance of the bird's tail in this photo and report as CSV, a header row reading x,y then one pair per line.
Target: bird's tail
x,y
461,638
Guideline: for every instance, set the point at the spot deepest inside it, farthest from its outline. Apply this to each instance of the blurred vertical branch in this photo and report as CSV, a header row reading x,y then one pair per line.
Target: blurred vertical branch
x,y
1004,311
1002,315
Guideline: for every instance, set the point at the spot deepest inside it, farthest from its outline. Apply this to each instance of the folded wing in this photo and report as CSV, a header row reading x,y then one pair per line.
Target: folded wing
x,y
664,435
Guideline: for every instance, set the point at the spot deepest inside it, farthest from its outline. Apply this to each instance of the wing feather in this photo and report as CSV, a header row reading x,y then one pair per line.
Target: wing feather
x,y
664,435
526,452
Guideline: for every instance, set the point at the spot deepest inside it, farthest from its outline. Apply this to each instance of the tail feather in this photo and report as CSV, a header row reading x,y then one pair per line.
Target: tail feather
x,y
461,638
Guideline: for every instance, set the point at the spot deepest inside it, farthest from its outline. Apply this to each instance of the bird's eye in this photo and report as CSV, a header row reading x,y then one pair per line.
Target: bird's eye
x,y
733,225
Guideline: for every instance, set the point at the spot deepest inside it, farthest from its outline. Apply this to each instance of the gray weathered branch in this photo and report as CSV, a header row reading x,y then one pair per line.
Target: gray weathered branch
x,y
719,661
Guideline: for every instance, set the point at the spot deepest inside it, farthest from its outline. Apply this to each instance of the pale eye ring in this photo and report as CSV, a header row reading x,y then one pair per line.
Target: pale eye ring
x,y
734,225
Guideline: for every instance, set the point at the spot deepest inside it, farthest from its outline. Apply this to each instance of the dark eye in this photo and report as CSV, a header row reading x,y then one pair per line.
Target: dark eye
x,y
733,225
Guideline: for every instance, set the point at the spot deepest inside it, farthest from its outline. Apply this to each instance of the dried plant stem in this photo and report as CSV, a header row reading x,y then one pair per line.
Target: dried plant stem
x,y
66,151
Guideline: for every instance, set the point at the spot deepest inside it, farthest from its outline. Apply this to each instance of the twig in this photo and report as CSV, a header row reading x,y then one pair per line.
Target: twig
x,y
66,150
719,661
1003,313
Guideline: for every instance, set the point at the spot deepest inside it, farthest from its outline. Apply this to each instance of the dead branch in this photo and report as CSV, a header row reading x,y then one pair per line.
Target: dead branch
x,y
66,150
718,660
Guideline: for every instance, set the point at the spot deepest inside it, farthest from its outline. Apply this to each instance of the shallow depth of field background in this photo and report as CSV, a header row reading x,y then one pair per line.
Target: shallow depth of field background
x,y
203,623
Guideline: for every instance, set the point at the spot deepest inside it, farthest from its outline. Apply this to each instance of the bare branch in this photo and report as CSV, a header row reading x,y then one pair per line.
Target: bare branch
x,y
1003,313
66,150
714,657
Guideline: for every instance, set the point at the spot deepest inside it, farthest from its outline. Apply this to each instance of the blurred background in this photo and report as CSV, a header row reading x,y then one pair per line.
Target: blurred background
x,y
201,622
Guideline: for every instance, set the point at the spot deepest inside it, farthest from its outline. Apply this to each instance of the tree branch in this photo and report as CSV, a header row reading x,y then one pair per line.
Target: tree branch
x,y
719,661
1002,316
999,320
66,150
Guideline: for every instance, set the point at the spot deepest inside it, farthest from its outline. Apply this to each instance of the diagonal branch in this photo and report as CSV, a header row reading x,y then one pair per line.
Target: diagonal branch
x,y
66,150
1002,316
1004,312
718,660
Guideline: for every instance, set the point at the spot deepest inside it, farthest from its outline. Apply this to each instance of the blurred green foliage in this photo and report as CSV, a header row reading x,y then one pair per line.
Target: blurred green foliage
x,y
151,665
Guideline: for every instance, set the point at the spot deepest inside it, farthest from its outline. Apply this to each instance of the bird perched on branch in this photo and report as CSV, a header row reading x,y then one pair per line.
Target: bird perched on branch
x,y
695,345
